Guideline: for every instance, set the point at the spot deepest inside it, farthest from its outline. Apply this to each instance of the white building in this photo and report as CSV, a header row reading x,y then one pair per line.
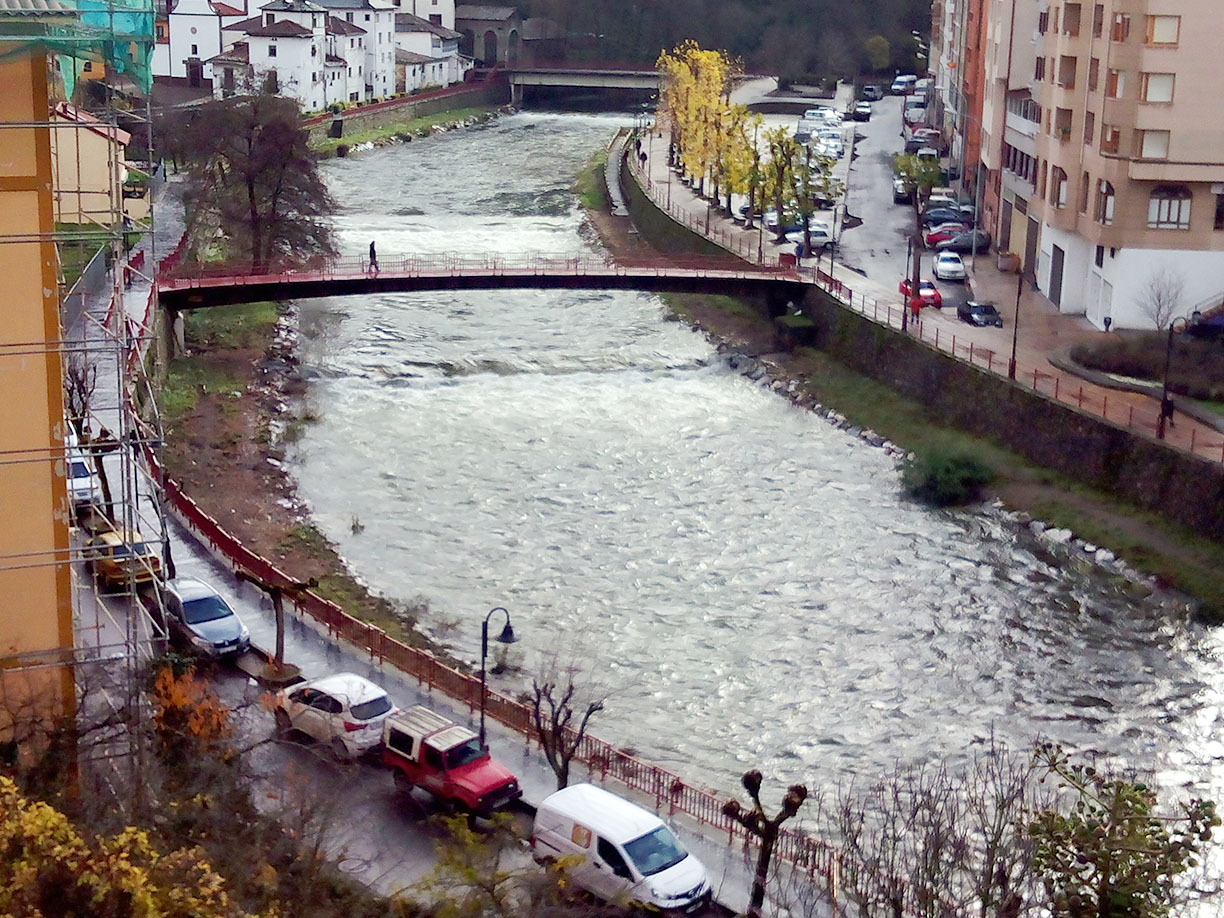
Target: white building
x,y
437,42
378,67
191,34
438,12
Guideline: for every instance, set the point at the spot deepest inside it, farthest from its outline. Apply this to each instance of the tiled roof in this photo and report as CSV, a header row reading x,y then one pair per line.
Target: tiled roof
x,y
332,60
406,22
282,29
72,113
411,57
484,13
39,8
337,26
356,5
245,25
292,6
239,54
224,9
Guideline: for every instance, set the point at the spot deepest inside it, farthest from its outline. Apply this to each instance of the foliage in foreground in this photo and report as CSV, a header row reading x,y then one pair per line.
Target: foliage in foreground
x,y
945,479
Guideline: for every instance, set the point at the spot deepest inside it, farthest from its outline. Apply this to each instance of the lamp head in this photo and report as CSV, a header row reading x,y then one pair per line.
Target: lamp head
x,y
507,635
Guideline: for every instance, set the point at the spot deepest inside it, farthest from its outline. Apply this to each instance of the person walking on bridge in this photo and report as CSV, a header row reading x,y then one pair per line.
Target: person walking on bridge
x,y
373,258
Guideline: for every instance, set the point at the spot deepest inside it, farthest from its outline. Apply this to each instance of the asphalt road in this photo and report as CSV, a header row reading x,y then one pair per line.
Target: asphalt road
x,y
876,249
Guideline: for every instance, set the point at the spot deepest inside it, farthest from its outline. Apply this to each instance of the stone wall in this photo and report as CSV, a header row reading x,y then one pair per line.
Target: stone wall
x,y
395,111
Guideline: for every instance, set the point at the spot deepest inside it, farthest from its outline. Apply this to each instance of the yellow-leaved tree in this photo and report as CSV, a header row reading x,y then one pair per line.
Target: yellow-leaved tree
x,y
49,869
695,104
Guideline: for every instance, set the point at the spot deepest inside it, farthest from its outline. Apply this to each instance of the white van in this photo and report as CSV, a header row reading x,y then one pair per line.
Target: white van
x,y
628,854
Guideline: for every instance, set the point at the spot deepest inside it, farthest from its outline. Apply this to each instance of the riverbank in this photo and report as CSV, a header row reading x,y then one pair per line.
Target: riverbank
x,y
1168,555
409,129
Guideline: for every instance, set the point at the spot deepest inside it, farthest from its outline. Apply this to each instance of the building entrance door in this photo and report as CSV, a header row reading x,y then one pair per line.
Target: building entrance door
x,y
1056,274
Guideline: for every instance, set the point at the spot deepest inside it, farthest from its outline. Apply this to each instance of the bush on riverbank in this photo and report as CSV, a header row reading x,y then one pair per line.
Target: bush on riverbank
x,y
418,127
590,185
940,478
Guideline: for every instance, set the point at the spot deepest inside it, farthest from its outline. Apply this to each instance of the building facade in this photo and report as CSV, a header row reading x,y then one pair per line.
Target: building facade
x,y
1102,151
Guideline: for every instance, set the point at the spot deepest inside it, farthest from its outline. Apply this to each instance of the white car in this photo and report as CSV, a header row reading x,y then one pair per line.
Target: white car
x,y
948,266
84,486
819,236
344,711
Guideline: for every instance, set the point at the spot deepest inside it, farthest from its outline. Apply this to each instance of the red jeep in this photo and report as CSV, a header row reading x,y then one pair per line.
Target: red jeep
x,y
426,750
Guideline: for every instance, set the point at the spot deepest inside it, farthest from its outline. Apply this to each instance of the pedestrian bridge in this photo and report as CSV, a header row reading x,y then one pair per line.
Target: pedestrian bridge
x,y
184,287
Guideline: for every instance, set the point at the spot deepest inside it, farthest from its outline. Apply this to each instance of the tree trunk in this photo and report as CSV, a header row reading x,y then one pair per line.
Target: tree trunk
x,y
768,838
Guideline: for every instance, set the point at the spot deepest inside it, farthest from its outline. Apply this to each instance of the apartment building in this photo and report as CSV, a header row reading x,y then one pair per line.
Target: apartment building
x,y
1101,151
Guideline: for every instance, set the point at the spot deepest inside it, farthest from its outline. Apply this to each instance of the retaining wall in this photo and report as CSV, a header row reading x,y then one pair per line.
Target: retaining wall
x,y
396,111
1081,446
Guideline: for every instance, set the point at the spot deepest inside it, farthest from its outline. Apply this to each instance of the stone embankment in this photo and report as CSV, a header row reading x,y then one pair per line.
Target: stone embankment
x,y
410,134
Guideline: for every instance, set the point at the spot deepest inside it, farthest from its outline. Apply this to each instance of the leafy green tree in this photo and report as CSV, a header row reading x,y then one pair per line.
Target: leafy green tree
x,y
254,174
878,51
1112,853
781,168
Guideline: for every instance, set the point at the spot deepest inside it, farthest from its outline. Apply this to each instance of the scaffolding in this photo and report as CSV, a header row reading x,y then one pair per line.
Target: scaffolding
x,y
88,440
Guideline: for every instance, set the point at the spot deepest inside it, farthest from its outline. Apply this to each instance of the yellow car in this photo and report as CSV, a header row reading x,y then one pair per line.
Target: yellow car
x,y
114,557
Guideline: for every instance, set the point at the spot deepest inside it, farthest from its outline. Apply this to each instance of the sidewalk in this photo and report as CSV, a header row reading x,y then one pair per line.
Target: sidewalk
x,y
1042,329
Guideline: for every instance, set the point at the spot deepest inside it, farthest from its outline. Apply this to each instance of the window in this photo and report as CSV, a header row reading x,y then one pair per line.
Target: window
x,y
314,52
1085,190
1043,22
1163,30
271,50
433,758
1169,207
1111,139
1099,258
1153,144
348,17
195,50
1104,203
1115,84
1089,127
1219,214
1039,70
1158,87
1071,20
1094,72
367,19
1058,187
1121,27
610,856
88,68
1098,20
269,18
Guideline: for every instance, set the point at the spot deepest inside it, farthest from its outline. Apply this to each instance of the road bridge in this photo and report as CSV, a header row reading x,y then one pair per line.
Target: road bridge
x,y
188,287
576,77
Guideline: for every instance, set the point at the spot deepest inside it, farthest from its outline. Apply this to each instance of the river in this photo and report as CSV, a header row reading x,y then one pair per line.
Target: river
x,y
745,580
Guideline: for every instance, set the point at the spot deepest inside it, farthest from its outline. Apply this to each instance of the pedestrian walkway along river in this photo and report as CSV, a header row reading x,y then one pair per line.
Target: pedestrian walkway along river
x,y
745,578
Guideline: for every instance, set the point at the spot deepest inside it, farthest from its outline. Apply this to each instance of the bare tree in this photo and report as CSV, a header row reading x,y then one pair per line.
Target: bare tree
x,y
1161,296
764,828
563,699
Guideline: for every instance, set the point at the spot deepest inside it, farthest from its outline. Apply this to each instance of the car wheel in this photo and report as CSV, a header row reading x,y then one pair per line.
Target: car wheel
x,y
283,723
403,783
340,750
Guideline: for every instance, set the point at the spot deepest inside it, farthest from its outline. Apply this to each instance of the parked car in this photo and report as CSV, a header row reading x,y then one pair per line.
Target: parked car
x,y
934,235
975,240
84,486
119,556
948,266
903,84
915,115
624,854
872,93
926,289
934,216
979,314
819,237
861,111
344,711
198,617
902,193
426,750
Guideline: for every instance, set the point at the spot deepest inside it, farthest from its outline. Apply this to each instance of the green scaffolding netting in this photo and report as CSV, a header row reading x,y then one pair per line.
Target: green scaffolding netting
x,y
118,34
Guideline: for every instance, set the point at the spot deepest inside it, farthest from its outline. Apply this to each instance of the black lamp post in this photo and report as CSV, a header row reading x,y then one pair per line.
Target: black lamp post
x,y
1166,403
1011,364
506,637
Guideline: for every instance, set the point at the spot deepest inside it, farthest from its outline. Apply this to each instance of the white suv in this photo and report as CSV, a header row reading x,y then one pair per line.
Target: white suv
x,y
344,711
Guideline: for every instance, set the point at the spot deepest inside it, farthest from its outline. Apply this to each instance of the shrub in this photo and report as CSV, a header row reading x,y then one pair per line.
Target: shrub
x,y
342,149
940,479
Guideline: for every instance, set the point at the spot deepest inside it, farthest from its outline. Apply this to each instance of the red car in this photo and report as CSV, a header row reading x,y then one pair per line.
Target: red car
x,y
937,234
926,290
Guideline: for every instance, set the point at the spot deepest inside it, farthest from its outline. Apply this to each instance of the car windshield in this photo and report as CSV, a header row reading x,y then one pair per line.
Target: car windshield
x,y
464,753
372,708
655,851
205,609
985,309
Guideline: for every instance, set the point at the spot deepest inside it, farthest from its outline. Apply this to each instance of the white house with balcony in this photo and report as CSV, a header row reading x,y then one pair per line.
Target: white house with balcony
x,y
436,42
372,74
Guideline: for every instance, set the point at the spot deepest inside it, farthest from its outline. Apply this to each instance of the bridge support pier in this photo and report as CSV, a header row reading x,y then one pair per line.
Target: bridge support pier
x,y
172,328
516,95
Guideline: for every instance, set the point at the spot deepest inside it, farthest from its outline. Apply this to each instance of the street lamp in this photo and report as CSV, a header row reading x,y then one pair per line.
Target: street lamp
x,y
506,637
1166,403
